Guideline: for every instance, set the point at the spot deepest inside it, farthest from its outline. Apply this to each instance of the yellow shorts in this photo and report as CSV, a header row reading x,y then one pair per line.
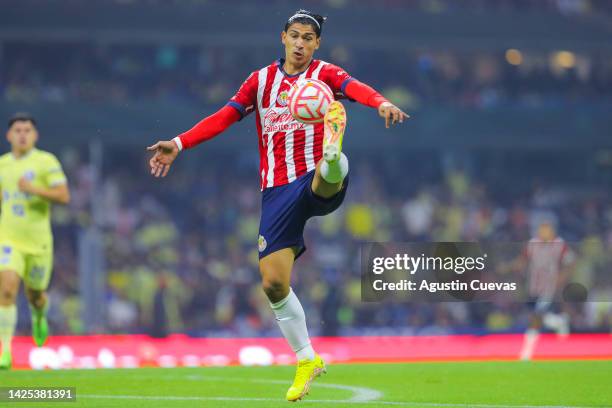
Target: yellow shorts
x,y
34,269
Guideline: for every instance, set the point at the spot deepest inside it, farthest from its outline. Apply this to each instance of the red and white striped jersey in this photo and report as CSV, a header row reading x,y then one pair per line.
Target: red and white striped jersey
x,y
546,260
288,149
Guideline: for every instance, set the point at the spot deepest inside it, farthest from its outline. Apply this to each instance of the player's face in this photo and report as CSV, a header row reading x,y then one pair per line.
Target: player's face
x,y
300,42
22,136
546,232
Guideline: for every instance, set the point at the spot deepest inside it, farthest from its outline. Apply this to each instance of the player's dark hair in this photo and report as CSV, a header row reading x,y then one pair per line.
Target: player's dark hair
x,y
21,117
307,17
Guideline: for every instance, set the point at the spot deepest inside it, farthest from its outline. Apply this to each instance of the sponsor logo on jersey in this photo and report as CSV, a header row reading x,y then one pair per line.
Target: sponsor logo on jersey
x,y
261,243
280,120
6,250
282,98
29,175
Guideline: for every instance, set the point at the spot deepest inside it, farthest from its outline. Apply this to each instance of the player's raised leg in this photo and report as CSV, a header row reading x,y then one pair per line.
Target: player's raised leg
x,y
333,167
9,286
275,272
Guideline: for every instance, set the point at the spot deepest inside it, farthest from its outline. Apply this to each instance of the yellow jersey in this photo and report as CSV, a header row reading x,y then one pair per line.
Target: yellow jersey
x,y
25,219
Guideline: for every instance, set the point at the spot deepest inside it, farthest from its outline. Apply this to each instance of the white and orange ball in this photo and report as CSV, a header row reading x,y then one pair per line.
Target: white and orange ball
x,y
308,100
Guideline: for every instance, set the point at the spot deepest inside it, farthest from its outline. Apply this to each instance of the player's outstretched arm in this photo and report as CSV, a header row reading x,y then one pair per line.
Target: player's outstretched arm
x,y
166,151
367,95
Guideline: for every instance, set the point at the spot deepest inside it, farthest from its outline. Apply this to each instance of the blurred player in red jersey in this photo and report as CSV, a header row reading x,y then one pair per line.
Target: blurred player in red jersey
x,y
548,261
303,172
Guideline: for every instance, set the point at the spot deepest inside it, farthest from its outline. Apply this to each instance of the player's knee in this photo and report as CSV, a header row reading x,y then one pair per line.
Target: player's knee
x,y
275,289
8,290
8,295
275,272
34,296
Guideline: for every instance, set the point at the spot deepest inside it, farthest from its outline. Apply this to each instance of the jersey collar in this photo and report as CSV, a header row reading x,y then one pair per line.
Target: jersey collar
x,y
25,156
281,61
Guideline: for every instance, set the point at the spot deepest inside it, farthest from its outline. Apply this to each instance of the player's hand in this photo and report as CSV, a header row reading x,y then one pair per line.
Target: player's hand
x,y
165,153
25,186
391,113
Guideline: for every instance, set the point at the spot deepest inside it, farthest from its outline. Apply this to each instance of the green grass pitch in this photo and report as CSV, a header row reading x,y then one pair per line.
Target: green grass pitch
x,y
465,384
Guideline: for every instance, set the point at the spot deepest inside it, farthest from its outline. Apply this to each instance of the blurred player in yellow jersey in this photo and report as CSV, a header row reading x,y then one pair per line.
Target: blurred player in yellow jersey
x,y
30,180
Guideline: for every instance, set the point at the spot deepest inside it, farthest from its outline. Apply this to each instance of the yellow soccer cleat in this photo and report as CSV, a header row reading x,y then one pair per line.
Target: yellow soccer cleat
x,y
335,123
307,371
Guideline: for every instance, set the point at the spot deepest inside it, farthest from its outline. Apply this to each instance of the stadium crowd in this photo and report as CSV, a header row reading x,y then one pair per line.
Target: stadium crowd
x,y
206,76
181,254
576,7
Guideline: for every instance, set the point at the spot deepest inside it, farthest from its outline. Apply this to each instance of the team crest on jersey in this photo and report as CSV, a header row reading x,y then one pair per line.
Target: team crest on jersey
x,y
29,175
282,98
37,273
261,243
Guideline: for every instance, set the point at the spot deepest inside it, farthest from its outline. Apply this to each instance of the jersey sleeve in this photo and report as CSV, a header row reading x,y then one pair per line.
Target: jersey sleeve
x,y
54,174
245,99
336,78
208,127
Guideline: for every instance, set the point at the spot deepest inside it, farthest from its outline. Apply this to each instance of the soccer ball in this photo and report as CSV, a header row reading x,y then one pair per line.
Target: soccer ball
x,y
308,100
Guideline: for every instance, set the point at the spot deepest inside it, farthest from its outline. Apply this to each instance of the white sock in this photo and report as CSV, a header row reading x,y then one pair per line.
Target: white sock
x,y
292,322
336,171
529,343
8,321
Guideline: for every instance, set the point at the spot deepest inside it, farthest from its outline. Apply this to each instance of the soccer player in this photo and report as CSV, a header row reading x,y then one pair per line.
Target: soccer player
x,y
303,172
31,180
548,261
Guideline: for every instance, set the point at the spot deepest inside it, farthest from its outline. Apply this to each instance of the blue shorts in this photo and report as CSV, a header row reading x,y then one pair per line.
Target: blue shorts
x,y
285,210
